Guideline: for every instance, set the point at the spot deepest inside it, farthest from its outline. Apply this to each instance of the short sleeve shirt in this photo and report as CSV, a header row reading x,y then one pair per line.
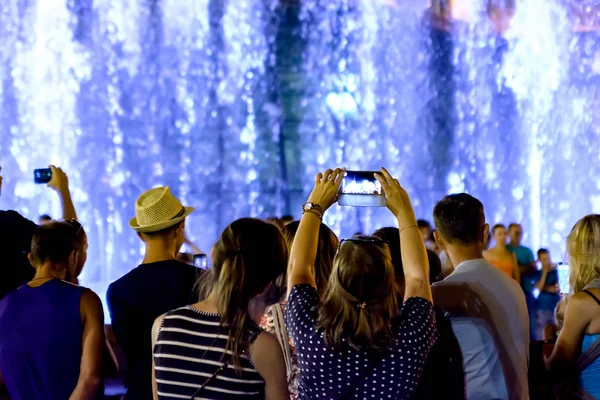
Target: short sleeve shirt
x,y
327,374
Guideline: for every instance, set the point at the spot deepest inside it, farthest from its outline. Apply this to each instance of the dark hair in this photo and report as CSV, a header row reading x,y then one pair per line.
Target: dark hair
x,y
392,237
326,249
421,223
249,256
498,226
460,219
45,217
54,242
286,219
360,303
513,225
542,251
275,221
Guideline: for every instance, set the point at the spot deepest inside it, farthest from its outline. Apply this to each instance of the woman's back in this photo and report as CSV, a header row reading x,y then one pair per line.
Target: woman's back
x,y
41,340
190,348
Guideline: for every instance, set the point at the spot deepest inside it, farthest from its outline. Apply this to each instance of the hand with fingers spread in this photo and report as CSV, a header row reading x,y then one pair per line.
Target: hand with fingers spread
x,y
327,186
397,199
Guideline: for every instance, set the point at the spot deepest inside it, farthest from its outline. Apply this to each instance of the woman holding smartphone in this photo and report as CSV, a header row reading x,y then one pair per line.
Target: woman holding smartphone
x,y
354,340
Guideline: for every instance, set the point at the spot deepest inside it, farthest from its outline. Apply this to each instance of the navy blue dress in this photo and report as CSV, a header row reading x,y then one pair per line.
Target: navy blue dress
x,y
40,340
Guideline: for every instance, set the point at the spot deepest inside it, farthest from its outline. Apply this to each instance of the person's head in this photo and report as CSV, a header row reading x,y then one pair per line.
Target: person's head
x,y
424,228
61,247
326,249
275,221
515,233
160,220
361,297
583,246
248,259
544,257
287,219
44,219
392,237
499,234
460,222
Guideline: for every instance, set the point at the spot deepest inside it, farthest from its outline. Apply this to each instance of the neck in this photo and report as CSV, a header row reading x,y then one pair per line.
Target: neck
x,y
514,244
460,254
50,270
501,246
159,250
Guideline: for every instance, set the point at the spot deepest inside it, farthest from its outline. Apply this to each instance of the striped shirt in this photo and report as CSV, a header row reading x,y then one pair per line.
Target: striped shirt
x,y
189,349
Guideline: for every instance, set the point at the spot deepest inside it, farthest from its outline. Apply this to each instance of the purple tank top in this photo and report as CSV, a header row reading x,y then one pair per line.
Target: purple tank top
x,y
40,340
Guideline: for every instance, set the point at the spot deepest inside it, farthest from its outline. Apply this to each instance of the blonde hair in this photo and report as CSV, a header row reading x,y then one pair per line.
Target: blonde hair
x,y
583,246
360,302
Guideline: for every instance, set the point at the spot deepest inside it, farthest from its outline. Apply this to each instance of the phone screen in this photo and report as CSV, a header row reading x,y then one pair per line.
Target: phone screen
x,y
42,175
200,261
361,189
361,182
563,277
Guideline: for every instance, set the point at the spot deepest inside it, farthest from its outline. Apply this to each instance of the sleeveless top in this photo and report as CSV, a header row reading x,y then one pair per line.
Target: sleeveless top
x,y
40,340
190,348
505,266
589,378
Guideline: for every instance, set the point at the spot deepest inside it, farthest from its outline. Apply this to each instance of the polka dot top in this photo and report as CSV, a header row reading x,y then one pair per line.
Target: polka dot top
x,y
327,374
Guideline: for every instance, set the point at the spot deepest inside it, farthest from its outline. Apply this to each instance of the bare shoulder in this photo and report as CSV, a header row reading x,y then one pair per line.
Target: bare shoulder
x,y
265,351
582,303
90,303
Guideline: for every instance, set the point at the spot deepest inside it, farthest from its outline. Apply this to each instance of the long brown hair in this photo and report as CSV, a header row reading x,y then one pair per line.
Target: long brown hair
x,y
249,256
326,248
360,303
583,246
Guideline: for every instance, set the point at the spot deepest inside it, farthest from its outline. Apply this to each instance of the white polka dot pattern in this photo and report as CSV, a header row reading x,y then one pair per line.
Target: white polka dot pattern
x,y
326,374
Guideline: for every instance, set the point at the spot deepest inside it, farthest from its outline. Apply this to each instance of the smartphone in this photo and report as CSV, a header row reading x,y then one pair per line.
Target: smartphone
x,y
361,189
563,278
200,261
42,175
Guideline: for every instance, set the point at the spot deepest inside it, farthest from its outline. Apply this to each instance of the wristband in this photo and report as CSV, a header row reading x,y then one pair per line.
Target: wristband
x,y
408,227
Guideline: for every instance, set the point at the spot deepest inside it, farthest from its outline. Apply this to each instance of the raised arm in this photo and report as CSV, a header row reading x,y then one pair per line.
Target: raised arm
x,y
414,254
304,249
90,373
60,184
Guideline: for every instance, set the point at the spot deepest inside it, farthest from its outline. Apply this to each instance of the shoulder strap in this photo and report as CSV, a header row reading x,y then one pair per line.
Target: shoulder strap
x,y
210,378
592,296
282,336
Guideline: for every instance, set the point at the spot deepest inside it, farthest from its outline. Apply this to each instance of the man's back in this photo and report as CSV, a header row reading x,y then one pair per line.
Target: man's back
x,y
135,301
489,317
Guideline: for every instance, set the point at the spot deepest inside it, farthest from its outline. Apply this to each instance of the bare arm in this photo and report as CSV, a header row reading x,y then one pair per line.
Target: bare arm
x,y
60,184
541,283
577,319
304,249
414,253
516,269
192,246
90,374
268,361
155,331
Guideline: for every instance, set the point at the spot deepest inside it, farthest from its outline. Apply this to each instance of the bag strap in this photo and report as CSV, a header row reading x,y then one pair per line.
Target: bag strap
x,y
282,336
253,335
592,296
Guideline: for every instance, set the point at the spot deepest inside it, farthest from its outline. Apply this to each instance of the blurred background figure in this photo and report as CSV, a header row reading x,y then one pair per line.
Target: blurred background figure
x,y
500,257
44,219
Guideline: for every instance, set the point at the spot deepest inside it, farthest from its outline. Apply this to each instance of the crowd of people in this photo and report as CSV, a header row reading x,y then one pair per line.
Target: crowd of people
x,y
289,311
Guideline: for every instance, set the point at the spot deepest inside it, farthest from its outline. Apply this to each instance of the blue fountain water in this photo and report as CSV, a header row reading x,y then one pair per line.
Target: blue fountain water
x,y
237,104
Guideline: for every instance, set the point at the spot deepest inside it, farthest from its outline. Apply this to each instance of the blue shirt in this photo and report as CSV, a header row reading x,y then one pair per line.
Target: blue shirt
x,y
588,379
40,352
524,257
548,301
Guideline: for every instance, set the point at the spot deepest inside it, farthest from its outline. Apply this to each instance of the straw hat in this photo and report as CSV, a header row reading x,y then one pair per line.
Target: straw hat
x,y
158,209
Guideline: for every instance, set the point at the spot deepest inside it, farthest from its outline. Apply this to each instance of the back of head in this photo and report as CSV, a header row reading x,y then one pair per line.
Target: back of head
x,y
361,298
459,219
392,237
54,243
248,258
583,246
326,249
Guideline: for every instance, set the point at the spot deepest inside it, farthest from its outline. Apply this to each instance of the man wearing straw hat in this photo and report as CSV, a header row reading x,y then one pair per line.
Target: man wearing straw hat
x,y
159,284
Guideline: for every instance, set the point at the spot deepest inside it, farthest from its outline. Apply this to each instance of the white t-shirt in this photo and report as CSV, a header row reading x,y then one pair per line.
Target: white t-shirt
x,y
489,318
